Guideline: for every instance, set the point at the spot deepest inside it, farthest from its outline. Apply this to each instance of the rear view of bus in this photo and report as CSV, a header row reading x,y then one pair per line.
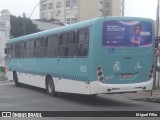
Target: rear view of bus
x,y
122,56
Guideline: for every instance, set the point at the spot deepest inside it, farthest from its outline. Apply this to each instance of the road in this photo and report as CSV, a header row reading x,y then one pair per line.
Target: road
x,y
28,98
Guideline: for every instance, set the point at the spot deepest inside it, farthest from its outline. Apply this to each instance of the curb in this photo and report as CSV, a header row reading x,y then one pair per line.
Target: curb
x,y
6,81
149,99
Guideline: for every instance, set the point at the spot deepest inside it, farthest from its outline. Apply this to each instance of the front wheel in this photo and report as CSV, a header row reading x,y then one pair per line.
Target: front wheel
x,y
50,87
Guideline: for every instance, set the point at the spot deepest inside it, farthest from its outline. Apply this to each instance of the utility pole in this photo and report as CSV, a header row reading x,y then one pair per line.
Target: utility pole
x,y
157,20
155,56
157,35
123,5
24,24
35,7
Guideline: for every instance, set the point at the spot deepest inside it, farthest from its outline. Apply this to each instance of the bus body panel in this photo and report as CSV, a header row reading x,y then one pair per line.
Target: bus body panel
x,y
99,87
134,61
68,69
83,75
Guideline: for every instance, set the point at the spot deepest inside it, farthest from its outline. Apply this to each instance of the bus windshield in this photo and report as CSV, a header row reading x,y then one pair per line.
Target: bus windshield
x,y
127,33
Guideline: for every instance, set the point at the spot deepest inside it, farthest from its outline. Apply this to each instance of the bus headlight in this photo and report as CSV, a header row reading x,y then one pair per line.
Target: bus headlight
x,y
100,75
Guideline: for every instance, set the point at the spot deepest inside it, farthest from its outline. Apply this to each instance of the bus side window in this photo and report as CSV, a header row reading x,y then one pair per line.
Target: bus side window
x,y
19,50
67,44
52,46
29,48
40,50
63,48
16,50
22,49
82,43
32,48
71,45
12,50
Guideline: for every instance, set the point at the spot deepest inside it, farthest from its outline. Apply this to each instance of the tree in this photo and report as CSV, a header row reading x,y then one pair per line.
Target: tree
x,y
17,26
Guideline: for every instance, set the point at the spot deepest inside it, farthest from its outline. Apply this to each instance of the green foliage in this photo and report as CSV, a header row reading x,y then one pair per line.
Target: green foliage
x,y
1,69
17,26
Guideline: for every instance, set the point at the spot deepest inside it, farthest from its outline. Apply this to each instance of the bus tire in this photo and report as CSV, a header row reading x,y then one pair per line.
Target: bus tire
x,y
50,87
15,78
94,95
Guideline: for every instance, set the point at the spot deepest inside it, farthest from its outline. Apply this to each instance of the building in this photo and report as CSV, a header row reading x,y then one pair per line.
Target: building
x,y
4,33
43,24
71,11
46,9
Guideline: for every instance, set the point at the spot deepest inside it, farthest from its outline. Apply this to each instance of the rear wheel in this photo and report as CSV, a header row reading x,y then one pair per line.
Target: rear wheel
x,y
15,78
50,87
94,95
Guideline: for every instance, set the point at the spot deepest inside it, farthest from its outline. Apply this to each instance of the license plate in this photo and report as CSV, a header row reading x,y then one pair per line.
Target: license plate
x,y
126,76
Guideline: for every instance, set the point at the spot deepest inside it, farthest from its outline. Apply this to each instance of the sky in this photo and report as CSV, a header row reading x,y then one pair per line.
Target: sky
x,y
141,8
134,8
18,7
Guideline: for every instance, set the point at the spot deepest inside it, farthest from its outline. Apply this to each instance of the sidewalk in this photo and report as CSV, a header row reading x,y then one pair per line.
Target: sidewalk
x,y
5,81
144,96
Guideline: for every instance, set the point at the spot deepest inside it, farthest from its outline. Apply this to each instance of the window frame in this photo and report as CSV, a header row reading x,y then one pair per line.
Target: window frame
x,y
85,43
55,45
30,51
67,45
40,51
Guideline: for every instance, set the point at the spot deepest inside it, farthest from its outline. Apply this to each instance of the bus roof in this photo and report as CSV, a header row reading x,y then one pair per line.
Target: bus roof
x,y
78,25
54,31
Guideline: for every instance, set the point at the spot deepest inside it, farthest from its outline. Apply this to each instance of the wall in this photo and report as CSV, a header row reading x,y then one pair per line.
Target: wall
x,y
4,33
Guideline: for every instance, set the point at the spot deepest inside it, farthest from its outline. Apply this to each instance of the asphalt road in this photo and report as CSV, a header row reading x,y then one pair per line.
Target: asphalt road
x,y
28,98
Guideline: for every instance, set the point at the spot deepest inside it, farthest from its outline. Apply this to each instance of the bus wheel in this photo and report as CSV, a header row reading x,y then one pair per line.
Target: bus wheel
x,y
94,95
15,78
50,87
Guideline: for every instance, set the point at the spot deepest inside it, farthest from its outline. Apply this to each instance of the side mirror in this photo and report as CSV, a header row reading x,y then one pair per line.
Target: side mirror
x,y
5,51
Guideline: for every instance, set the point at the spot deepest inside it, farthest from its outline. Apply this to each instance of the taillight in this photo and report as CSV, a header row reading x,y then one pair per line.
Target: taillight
x,y
100,75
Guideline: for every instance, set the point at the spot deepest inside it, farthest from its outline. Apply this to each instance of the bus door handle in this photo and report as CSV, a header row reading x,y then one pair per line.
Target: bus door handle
x,y
57,61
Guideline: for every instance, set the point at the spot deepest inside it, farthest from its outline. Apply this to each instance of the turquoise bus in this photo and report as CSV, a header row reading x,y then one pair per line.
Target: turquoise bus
x,y
101,55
